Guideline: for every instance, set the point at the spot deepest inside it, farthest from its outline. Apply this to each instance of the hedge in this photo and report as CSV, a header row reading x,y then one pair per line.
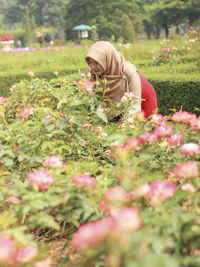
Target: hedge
x,y
174,91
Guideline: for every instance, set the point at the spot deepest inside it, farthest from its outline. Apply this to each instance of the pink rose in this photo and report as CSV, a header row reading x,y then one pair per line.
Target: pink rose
x,y
91,234
117,194
53,162
41,178
175,139
26,254
14,200
195,124
84,180
139,191
148,137
183,116
158,119
126,219
49,117
8,252
161,190
190,149
25,113
188,187
186,170
163,130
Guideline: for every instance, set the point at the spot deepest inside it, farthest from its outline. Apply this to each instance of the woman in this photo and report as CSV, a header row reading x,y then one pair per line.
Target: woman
x,y
107,64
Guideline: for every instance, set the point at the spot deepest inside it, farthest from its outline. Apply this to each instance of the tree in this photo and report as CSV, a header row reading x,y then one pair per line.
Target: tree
x,y
46,13
106,15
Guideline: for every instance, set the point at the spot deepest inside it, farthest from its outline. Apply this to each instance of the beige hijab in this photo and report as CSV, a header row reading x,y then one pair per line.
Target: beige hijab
x,y
112,63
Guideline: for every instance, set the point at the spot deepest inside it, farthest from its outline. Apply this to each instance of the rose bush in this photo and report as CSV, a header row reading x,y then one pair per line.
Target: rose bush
x,y
127,193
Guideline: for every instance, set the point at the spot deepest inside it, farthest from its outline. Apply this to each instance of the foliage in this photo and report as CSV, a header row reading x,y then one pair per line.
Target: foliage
x,y
99,172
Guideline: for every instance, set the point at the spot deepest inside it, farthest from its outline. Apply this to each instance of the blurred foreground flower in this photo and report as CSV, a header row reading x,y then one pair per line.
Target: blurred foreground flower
x,y
40,178
161,190
84,180
26,254
117,194
8,252
175,139
91,234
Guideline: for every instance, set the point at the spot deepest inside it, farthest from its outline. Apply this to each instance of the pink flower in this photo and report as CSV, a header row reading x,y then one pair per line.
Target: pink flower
x,y
117,194
190,149
124,99
100,109
14,200
86,125
148,137
139,191
71,121
44,263
49,117
183,116
107,153
55,72
188,187
86,85
53,162
126,219
103,135
186,170
175,139
41,178
84,180
175,48
3,99
195,124
167,49
26,254
154,58
132,143
106,207
158,119
116,143
30,73
163,130
91,234
8,252
161,190
25,113
98,129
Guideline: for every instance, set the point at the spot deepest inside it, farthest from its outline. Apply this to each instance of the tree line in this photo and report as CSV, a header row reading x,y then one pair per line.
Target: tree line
x,y
112,18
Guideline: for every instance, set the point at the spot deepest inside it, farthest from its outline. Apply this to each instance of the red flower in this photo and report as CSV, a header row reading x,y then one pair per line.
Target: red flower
x,y
6,38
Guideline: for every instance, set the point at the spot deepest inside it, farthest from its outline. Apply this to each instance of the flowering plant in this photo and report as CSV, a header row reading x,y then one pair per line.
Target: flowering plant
x,y
6,38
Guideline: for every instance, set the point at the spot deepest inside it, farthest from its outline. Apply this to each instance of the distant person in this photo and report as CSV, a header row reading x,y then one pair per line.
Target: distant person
x,y
40,39
48,38
106,63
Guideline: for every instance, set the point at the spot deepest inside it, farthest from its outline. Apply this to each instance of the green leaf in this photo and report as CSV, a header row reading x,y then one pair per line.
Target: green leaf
x,y
102,116
44,220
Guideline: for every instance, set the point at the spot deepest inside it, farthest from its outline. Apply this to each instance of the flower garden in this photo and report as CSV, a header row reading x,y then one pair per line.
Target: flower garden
x,y
122,193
